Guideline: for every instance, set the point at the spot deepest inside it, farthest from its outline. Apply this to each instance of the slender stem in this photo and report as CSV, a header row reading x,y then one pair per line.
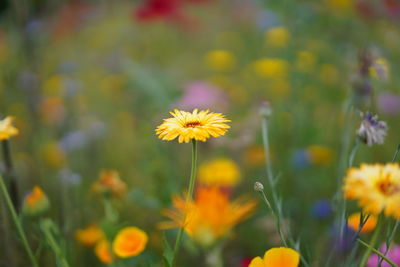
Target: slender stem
x,y
389,240
188,198
372,244
353,152
377,252
17,222
10,175
46,225
396,153
276,218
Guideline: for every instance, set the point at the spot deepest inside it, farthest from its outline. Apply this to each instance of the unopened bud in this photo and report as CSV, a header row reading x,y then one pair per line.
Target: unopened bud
x,y
265,109
258,187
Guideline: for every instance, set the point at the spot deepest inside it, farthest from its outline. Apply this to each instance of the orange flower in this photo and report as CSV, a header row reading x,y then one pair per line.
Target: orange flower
x,y
109,182
209,217
35,202
129,242
277,257
354,223
90,235
103,252
7,130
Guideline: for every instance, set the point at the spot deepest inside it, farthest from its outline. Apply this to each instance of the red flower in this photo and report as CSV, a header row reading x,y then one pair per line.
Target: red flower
x,y
158,9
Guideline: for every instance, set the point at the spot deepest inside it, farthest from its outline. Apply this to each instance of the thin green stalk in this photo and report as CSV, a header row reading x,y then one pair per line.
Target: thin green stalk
x,y
188,198
10,175
396,153
46,226
353,152
372,249
372,244
17,223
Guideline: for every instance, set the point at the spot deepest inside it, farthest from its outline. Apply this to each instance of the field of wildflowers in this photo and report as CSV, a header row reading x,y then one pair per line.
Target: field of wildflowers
x,y
221,133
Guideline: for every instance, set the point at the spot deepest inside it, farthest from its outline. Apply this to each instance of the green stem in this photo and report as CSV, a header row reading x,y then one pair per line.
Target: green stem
x,y
372,249
46,226
17,223
188,198
396,153
276,218
372,244
353,152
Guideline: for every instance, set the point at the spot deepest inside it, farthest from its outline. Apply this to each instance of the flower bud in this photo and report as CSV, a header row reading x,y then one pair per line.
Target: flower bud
x,y
258,187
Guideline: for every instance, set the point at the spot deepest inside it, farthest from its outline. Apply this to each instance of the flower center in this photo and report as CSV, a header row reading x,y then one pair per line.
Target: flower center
x,y
388,188
192,124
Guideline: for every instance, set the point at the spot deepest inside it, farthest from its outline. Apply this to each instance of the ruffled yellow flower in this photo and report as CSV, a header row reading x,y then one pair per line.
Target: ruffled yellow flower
x,y
277,257
7,130
220,60
103,252
277,36
35,202
219,172
354,223
196,125
209,217
129,242
90,235
109,182
376,187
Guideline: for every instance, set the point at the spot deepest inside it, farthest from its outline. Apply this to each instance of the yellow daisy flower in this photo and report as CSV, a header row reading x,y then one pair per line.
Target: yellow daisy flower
x,y
376,187
129,242
196,125
277,257
7,130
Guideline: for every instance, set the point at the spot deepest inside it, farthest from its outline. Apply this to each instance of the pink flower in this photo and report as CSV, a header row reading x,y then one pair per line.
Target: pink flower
x,y
393,254
202,95
389,103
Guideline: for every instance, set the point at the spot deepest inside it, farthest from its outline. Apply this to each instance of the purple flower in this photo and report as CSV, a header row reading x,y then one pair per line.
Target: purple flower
x,y
321,209
202,95
371,130
393,254
389,103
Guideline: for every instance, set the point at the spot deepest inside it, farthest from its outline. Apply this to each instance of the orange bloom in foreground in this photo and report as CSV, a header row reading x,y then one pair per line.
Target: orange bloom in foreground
x,y
90,235
209,217
277,257
103,252
354,223
129,242
109,182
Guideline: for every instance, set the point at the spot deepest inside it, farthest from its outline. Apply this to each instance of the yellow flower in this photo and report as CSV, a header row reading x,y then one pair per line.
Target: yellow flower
x,y
271,68
277,36
277,257
7,130
219,172
109,182
305,61
129,242
90,235
220,60
320,154
254,156
35,202
354,223
209,217
103,252
379,69
376,187
328,74
196,125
